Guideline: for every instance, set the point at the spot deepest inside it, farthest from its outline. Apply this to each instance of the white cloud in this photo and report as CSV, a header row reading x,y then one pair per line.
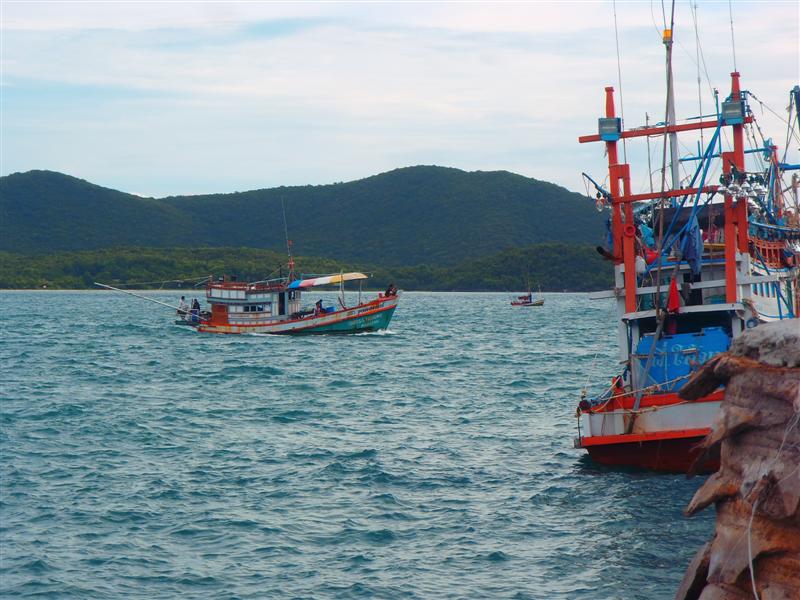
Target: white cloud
x,y
261,94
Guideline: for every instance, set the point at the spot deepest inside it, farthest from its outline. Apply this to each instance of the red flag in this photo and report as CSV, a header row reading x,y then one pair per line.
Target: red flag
x,y
673,299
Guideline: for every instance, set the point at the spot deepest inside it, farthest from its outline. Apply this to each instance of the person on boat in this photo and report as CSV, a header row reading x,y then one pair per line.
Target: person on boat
x,y
318,308
195,310
183,308
391,290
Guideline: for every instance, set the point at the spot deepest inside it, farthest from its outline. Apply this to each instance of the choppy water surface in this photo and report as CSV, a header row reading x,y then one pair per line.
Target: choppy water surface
x,y
143,460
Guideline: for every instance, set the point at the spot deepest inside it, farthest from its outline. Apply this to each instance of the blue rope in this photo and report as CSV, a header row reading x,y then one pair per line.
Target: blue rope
x,y
704,165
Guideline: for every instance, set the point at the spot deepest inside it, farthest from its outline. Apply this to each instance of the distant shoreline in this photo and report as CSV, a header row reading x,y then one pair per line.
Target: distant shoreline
x,y
549,266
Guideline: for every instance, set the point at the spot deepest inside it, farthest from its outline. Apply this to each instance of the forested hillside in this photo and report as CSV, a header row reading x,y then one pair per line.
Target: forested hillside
x,y
406,217
554,266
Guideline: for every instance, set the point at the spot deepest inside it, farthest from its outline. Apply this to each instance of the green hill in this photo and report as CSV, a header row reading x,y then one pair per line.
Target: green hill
x,y
44,211
409,216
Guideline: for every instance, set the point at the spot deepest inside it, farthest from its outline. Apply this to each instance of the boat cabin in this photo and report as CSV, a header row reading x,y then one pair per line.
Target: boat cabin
x,y
241,303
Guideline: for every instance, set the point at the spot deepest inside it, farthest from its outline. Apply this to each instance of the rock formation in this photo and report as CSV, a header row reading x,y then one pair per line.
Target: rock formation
x,y
755,551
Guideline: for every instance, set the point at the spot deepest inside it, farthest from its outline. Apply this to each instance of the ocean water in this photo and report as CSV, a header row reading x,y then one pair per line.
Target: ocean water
x,y
141,459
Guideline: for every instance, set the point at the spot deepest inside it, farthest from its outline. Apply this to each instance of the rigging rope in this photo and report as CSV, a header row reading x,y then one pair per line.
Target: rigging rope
x,y
790,128
585,388
765,105
650,389
619,78
697,56
653,18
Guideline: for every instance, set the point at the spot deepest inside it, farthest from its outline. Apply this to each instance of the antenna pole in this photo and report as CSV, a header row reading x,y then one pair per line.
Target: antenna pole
x,y
733,42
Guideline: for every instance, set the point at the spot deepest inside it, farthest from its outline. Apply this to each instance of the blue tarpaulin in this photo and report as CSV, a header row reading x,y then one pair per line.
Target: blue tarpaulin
x,y
693,245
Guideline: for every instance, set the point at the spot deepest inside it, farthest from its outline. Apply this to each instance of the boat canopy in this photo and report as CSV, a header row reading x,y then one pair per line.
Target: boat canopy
x,y
327,280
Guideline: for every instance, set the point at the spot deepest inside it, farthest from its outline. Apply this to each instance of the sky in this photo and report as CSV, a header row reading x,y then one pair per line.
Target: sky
x,y
162,98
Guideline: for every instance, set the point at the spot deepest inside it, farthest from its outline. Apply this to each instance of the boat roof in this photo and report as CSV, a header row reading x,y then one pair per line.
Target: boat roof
x,y
326,280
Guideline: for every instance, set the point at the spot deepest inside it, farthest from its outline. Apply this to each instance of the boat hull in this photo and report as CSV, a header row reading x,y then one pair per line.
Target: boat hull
x,y
664,436
369,317
375,321
672,455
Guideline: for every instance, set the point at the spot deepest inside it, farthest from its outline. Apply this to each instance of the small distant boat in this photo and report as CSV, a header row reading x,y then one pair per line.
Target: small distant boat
x,y
529,300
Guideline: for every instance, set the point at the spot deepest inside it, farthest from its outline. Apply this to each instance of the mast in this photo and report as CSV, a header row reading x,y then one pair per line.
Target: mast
x,y
288,242
673,136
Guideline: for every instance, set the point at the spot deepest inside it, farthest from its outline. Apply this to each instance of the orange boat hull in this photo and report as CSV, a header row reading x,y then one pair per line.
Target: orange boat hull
x,y
665,434
675,455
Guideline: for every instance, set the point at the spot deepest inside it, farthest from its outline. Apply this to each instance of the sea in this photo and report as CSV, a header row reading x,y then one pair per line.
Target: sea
x,y
141,459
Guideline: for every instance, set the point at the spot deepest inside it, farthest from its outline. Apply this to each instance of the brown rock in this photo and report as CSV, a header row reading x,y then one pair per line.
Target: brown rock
x,y
756,492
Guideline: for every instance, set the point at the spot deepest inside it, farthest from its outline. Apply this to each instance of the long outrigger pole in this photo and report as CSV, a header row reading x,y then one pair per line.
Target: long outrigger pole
x,y
103,285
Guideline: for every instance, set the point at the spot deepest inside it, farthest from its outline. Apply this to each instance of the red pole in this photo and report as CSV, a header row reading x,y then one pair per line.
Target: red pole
x,y
732,213
623,244
623,248
616,216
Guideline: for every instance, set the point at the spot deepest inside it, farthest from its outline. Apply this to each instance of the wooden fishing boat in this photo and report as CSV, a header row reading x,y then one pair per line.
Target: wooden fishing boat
x,y
725,262
275,307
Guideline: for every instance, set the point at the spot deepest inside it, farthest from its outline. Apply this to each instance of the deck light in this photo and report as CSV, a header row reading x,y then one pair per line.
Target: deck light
x,y
733,112
609,128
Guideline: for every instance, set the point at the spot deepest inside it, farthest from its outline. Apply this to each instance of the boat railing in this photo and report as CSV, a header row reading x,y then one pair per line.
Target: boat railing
x,y
265,286
774,232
